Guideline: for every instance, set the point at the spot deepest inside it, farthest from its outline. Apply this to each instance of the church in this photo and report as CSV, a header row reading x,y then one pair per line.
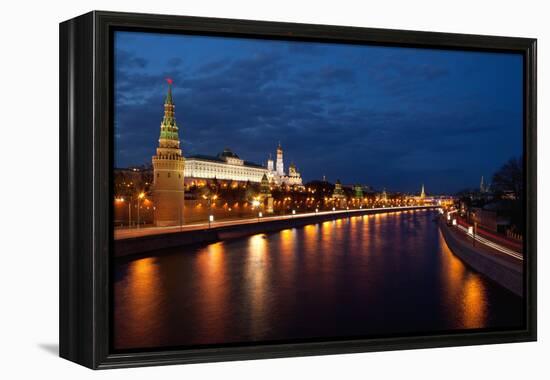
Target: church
x,y
276,174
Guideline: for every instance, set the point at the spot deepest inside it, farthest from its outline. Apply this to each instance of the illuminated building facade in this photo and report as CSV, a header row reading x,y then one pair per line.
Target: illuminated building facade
x,y
229,166
277,174
338,192
225,166
358,191
168,169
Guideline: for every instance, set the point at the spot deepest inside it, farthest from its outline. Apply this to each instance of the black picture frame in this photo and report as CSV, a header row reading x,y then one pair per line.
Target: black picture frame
x,y
86,157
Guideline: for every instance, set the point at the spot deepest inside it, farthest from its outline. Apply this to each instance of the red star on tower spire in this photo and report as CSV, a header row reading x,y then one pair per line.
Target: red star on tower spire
x,y
169,80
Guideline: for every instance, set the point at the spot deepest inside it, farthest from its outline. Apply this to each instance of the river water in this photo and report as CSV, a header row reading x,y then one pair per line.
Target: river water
x,y
368,276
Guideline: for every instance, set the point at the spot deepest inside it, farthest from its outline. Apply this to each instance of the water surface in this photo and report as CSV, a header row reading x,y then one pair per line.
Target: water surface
x,y
374,275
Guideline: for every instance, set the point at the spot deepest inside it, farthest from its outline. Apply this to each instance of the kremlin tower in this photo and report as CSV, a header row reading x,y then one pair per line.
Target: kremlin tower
x,y
168,165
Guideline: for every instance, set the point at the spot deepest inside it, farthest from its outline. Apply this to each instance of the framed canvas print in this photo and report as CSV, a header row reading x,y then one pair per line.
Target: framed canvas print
x,y
240,189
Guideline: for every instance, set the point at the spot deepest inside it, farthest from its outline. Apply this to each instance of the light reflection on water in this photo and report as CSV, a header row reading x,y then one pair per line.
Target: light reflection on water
x,y
359,276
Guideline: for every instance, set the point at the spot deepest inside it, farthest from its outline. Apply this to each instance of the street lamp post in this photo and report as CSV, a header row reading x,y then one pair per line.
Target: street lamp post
x,y
474,220
209,212
140,196
130,213
474,233
180,214
210,215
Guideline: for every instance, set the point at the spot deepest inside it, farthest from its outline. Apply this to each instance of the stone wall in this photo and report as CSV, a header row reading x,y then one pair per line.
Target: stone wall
x,y
503,272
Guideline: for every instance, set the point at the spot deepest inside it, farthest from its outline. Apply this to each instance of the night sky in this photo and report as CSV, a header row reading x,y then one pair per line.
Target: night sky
x,y
389,117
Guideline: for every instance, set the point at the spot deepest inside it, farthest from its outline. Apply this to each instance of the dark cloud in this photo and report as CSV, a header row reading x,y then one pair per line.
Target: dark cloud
x,y
129,60
386,121
174,62
400,77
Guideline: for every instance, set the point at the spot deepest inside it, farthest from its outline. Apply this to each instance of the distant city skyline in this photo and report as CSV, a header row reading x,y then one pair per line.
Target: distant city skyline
x,y
388,117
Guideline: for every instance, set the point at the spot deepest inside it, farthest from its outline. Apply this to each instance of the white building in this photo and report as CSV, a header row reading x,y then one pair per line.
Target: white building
x,y
225,166
294,177
280,168
228,166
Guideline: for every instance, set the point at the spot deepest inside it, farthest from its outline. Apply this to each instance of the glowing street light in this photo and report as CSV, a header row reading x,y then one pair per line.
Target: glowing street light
x,y
121,200
210,220
140,196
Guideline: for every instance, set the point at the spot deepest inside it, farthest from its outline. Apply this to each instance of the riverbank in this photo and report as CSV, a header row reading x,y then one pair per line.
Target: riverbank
x,y
151,242
505,271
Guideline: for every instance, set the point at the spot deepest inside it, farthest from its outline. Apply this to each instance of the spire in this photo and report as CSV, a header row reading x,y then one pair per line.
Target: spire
x,y
482,185
422,193
168,99
169,136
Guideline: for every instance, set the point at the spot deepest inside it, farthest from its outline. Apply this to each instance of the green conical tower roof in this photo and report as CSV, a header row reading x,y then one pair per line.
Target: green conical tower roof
x,y
168,99
264,186
169,136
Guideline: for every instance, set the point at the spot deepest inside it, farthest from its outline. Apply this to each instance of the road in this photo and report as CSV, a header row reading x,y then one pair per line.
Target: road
x,y
146,231
490,244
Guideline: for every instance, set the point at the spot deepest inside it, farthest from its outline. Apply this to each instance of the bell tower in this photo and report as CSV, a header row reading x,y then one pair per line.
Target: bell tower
x,y
168,165
279,165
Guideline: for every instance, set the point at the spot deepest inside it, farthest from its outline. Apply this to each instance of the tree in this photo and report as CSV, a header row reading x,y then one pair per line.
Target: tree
x,y
129,184
509,178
